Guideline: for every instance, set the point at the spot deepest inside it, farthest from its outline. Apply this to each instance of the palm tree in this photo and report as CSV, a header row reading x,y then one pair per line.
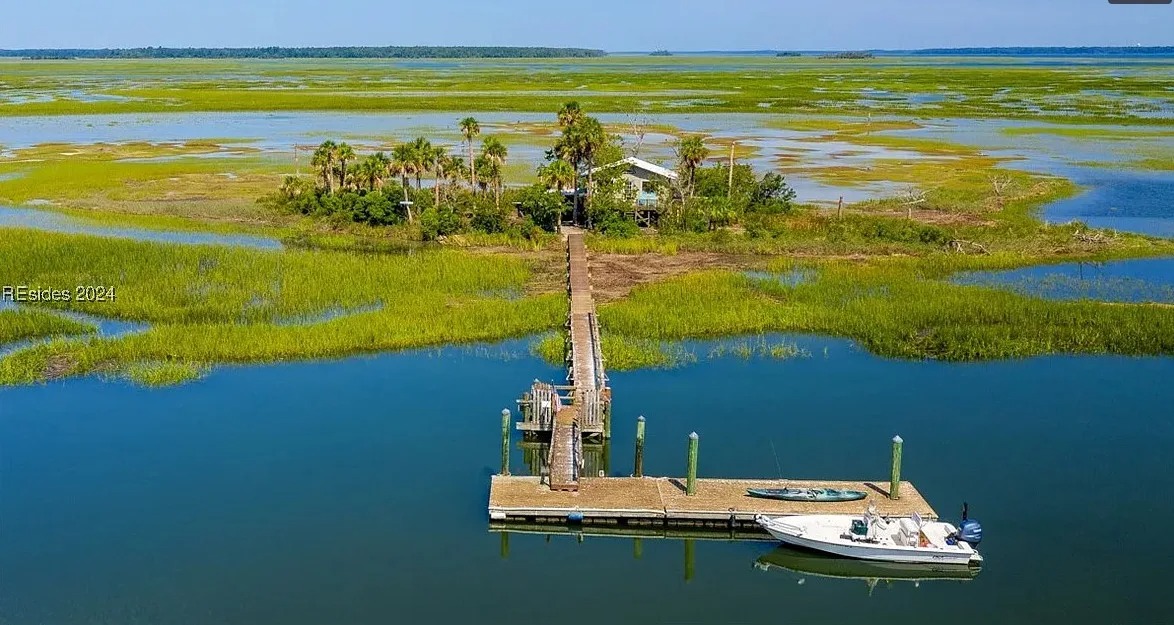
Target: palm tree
x,y
323,161
343,153
691,152
422,157
557,175
584,139
470,128
363,174
495,152
442,169
569,114
483,166
403,163
380,168
455,169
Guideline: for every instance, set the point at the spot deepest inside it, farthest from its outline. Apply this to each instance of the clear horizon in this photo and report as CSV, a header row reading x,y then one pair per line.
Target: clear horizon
x,y
611,25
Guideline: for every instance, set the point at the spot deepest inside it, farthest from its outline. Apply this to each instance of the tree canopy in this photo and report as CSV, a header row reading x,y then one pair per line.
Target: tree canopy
x,y
334,52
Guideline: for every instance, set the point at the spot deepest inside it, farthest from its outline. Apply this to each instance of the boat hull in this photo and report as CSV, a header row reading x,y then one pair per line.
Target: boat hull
x,y
793,533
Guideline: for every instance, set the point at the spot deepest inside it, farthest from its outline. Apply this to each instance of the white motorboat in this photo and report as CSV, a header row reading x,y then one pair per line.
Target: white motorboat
x,y
872,537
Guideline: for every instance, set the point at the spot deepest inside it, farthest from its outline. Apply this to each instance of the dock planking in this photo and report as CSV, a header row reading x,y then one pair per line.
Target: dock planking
x,y
589,396
662,501
643,504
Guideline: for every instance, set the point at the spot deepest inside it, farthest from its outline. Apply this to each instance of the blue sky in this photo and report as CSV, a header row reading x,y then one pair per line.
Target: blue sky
x,y
608,24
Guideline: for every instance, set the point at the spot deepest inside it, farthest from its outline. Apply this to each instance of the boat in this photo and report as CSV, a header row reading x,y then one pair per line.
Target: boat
x,y
806,494
807,562
873,537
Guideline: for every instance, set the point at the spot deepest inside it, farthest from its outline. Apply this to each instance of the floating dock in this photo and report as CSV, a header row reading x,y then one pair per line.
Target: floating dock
x,y
557,417
663,501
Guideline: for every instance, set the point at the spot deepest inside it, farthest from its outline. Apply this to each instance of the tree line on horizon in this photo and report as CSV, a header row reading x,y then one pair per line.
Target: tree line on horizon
x,y
333,52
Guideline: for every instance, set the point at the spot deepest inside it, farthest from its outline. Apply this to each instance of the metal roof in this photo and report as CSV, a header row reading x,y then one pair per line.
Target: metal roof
x,y
641,164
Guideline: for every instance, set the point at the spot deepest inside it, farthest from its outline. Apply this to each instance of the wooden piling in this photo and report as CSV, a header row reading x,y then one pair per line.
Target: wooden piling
x,y
505,442
638,463
895,480
607,421
691,473
690,558
605,458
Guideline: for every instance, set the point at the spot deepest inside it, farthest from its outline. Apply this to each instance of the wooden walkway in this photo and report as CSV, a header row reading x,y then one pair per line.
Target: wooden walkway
x,y
661,501
562,496
587,404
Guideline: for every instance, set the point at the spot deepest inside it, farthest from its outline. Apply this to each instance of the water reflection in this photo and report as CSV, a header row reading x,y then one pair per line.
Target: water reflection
x,y
60,222
1127,281
797,563
810,563
536,452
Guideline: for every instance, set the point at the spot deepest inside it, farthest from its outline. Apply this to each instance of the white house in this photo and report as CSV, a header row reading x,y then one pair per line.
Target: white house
x,y
642,176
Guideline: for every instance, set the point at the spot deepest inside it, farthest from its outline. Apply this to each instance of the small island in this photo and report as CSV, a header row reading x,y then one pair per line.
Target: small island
x,y
661,53
848,55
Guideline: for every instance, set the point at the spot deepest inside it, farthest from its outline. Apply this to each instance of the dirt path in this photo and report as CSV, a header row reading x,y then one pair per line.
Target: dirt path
x,y
613,276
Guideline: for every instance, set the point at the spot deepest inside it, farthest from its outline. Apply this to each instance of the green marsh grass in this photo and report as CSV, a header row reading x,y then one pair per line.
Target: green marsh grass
x,y
27,323
1073,94
759,347
163,373
214,304
894,307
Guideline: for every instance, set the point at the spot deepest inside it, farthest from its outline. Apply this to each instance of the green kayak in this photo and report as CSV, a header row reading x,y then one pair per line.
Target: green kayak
x,y
806,494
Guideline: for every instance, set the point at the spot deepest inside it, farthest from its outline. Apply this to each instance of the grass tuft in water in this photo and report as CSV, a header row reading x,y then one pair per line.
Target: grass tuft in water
x,y
24,323
163,373
759,347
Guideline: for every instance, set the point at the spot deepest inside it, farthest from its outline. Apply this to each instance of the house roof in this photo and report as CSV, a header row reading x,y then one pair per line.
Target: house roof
x,y
641,164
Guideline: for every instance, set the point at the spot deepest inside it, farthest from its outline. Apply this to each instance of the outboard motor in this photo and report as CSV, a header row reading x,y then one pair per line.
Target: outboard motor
x,y
970,531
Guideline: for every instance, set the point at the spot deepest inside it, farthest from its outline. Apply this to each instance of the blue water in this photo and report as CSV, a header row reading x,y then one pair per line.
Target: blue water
x,y
1115,196
1127,200
1142,280
102,326
354,491
51,221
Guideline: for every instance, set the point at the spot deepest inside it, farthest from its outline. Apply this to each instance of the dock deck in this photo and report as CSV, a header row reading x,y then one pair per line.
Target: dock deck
x,y
561,494
585,410
662,501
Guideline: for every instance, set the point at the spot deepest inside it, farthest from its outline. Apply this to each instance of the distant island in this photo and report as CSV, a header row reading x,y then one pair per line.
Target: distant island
x,y
787,54
661,53
848,55
1049,51
342,52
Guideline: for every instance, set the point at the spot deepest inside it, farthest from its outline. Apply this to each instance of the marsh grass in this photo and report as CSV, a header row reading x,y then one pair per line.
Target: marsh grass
x,y
163,373
20,324
1066,94
72,178
620,353
894,307
758,347
213,304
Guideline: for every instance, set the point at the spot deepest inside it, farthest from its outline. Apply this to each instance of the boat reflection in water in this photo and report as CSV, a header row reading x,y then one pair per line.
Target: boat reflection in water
x,y
814,563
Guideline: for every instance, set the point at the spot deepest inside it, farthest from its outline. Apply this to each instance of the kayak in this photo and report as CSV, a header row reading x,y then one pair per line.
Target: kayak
x,y
806,494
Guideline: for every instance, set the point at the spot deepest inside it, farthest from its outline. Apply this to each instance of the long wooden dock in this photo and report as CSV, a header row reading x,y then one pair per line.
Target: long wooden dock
x,y
662,501
584,411
561,493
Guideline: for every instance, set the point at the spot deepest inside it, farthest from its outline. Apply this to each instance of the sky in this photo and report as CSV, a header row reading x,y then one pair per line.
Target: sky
x,y
613,25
